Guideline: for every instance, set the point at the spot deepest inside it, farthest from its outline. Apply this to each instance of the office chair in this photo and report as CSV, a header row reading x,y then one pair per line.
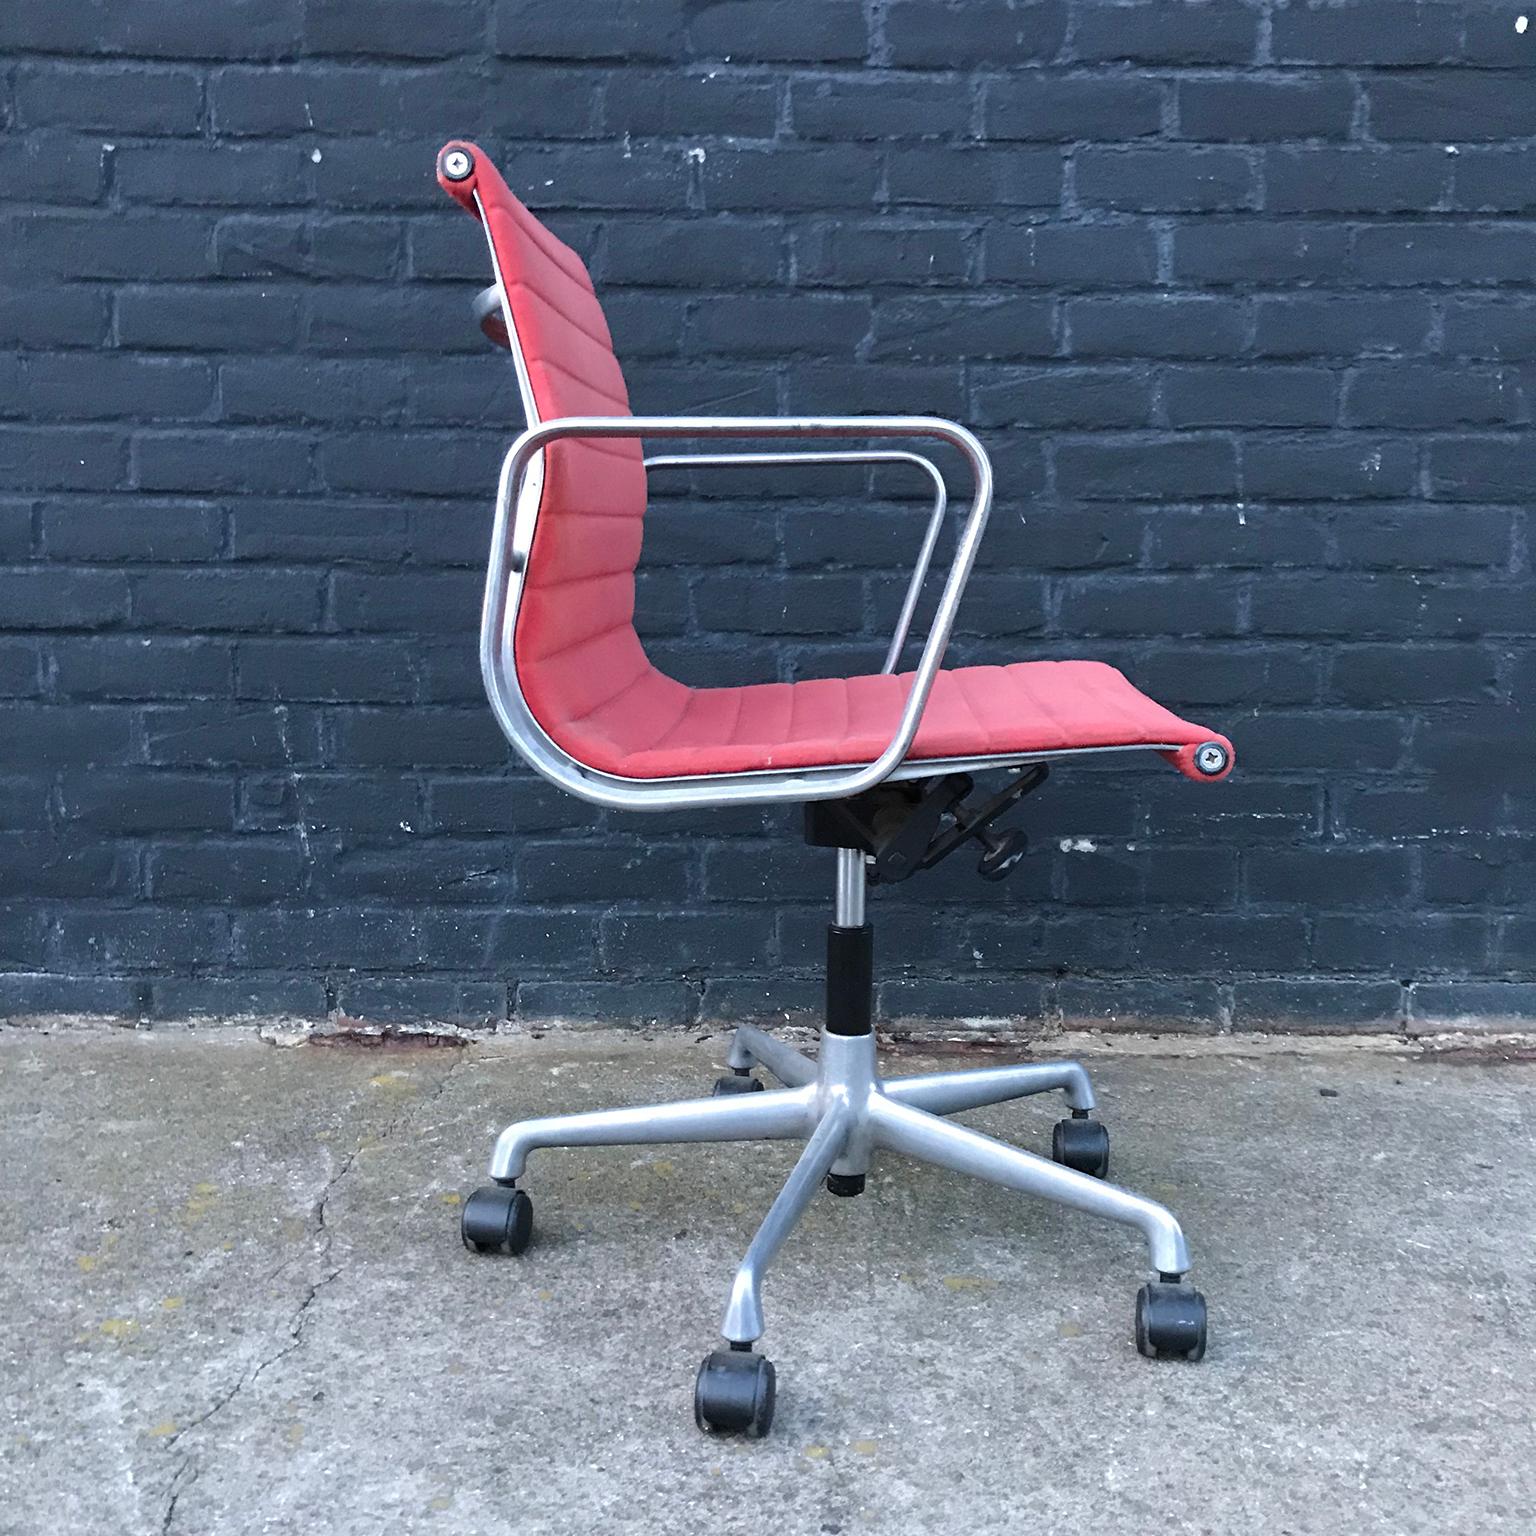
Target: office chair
x,y
882,764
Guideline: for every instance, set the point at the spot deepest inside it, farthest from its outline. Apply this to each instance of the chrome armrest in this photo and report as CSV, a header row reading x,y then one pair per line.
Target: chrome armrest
x,y
512,539
848,456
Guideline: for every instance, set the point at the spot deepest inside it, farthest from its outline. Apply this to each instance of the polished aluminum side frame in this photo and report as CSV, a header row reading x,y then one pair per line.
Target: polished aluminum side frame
x,y
512,541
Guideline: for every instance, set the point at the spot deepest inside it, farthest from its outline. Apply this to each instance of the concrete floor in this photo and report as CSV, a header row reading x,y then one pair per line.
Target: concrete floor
x,y
235,1301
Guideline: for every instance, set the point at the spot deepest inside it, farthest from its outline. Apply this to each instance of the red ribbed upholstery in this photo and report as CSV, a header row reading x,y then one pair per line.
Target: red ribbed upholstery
x,y
583,672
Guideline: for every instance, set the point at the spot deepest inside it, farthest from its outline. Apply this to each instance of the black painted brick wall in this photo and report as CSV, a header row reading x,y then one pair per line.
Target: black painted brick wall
x,y
1240,295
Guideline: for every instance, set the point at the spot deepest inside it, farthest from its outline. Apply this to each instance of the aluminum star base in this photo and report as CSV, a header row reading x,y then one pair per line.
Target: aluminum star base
x,y
845,1112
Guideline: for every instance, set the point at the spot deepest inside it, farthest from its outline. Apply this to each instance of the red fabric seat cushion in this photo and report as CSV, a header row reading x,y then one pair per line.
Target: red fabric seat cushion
x,y
582,669
657,728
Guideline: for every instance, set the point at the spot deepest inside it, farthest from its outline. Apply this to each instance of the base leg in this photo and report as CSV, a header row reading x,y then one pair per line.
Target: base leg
x,y
751,1045
945,1093
772,1116
744,1313
925,1136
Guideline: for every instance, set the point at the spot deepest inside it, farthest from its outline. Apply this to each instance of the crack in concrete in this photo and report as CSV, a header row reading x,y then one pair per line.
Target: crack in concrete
x,y
187,1470
184,1476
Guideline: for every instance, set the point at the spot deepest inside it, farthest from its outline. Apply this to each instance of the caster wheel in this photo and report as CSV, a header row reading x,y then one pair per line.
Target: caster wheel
x,y
496,1220
1170,1322
736,1083
734,1394
1081,1144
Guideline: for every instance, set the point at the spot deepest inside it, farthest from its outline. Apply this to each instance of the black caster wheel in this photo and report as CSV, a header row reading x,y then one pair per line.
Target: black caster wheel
x,y
1170,1321
496,1220
1081,1144
737,1082
734,1394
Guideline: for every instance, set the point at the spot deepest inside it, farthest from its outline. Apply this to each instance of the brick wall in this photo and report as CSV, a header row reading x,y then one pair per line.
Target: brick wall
x,y
1238,294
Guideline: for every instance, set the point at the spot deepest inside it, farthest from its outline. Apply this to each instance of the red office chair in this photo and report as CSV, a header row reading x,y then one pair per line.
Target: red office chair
x,y
882,763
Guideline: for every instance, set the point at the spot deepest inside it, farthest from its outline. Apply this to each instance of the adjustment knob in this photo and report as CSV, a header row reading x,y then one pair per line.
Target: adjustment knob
x,y
1003,850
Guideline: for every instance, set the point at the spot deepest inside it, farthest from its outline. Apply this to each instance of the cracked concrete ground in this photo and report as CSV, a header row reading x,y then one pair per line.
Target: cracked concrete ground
x,y
235,1301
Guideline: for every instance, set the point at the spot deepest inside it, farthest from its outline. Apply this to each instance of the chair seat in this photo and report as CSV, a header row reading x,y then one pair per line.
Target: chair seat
x,y
657,728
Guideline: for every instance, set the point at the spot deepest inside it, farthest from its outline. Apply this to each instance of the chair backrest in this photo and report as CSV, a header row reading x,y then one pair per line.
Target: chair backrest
x,y
575,640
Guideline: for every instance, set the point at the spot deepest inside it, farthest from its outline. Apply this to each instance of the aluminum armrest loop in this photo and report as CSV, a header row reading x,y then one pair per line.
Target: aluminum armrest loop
x,y
849,456
509,557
